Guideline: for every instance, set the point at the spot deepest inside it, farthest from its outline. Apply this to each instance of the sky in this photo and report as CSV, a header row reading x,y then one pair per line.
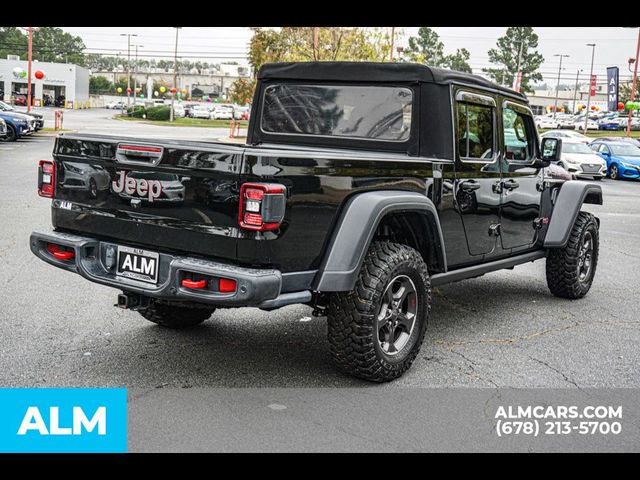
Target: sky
x,y
614,45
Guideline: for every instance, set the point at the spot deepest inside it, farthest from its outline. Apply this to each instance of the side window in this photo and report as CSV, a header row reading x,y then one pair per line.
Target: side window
x,y
519,146
604,149
474,132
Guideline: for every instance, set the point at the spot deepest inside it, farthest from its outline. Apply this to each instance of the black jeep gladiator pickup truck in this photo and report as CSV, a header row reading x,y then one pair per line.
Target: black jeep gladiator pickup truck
x,y
361,186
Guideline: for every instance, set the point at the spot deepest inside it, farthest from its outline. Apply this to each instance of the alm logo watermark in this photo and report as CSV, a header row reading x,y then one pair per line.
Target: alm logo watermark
x,y
57,420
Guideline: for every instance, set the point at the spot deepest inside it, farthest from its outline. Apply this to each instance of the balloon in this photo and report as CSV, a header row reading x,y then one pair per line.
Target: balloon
x,y
39,74
23,74
173,90
138,90
163,89
620,106
142,95
17,72
208,99
155,94
119,89
184,91
128,90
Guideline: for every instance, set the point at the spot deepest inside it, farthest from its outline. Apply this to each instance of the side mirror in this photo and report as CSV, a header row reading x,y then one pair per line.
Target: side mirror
x,y
551,149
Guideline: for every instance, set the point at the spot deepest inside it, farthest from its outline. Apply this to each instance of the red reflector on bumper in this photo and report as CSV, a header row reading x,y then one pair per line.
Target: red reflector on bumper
x,y
227,285
60,254
194,284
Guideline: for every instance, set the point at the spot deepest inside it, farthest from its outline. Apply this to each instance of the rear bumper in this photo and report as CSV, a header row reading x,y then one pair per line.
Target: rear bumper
x,y
255,287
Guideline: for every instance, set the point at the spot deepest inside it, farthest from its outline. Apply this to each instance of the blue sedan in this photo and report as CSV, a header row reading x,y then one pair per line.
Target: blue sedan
x,y
623,159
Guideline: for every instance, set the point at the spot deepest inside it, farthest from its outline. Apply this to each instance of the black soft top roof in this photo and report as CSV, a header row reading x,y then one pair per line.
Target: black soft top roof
x,y
374,72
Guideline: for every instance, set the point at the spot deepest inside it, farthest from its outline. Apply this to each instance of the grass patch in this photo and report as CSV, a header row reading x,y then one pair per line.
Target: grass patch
x,y
605,133
184,122
52,130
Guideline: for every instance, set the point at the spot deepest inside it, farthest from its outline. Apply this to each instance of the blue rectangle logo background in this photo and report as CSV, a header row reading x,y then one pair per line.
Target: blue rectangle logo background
x,y
45,436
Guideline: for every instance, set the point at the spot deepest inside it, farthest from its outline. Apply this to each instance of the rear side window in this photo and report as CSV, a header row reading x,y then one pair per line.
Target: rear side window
x,y
475,131
358,112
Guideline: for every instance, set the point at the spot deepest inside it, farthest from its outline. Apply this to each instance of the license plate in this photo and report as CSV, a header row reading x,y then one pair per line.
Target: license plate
x,y
138,264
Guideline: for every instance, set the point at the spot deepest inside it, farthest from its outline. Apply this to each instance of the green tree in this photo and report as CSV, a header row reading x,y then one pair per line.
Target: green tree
x,y
13,41
291,44
52,44
100,85
241,92
426,48
624,92
459,61
506,56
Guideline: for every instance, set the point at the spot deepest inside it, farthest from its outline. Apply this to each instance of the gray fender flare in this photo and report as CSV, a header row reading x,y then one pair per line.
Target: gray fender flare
x,y
355,229
566,208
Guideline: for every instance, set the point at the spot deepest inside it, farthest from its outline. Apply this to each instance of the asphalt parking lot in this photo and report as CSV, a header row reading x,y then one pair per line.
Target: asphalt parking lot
x,y
498,331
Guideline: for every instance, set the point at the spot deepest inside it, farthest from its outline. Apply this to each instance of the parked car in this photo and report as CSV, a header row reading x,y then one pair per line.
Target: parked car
x,y
546,121
20,99
116,105
623,122
179,111
566,134
592,124
222,112
39,118
566,121
581,161
3,130
396,210
623,159
610,122
631,140
201,111
188,107
18,125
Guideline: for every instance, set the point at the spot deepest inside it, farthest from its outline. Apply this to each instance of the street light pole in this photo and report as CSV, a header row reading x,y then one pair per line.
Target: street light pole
x,y
575,92
175,73
128,35
555,104
135,75
30,56
586,117
633,84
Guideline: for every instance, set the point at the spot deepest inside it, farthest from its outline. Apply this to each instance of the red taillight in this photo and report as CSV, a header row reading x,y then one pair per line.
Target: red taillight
x,y
46,178
227,285
262,206
59,252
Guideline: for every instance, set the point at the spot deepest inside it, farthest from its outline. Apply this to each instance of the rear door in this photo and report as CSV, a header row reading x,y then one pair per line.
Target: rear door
x,y
478,175
178,196
521,184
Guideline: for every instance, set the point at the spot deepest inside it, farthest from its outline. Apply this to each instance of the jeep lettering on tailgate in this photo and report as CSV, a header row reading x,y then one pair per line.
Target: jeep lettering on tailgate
x,y
141,187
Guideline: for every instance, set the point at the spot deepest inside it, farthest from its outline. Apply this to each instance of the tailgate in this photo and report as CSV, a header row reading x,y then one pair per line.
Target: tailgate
x,y
171,195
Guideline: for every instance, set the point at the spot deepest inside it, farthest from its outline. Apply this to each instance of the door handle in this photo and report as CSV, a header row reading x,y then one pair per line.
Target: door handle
x,y
469,185
510,185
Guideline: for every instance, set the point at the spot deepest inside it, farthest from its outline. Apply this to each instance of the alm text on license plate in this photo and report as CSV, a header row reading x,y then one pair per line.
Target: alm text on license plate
x,y
138,264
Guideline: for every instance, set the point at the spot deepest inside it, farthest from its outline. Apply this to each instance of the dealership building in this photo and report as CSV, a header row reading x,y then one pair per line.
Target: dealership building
x,y
60,79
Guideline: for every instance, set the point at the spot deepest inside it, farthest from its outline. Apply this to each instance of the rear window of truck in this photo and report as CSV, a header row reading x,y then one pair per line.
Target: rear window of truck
x,y
359,112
